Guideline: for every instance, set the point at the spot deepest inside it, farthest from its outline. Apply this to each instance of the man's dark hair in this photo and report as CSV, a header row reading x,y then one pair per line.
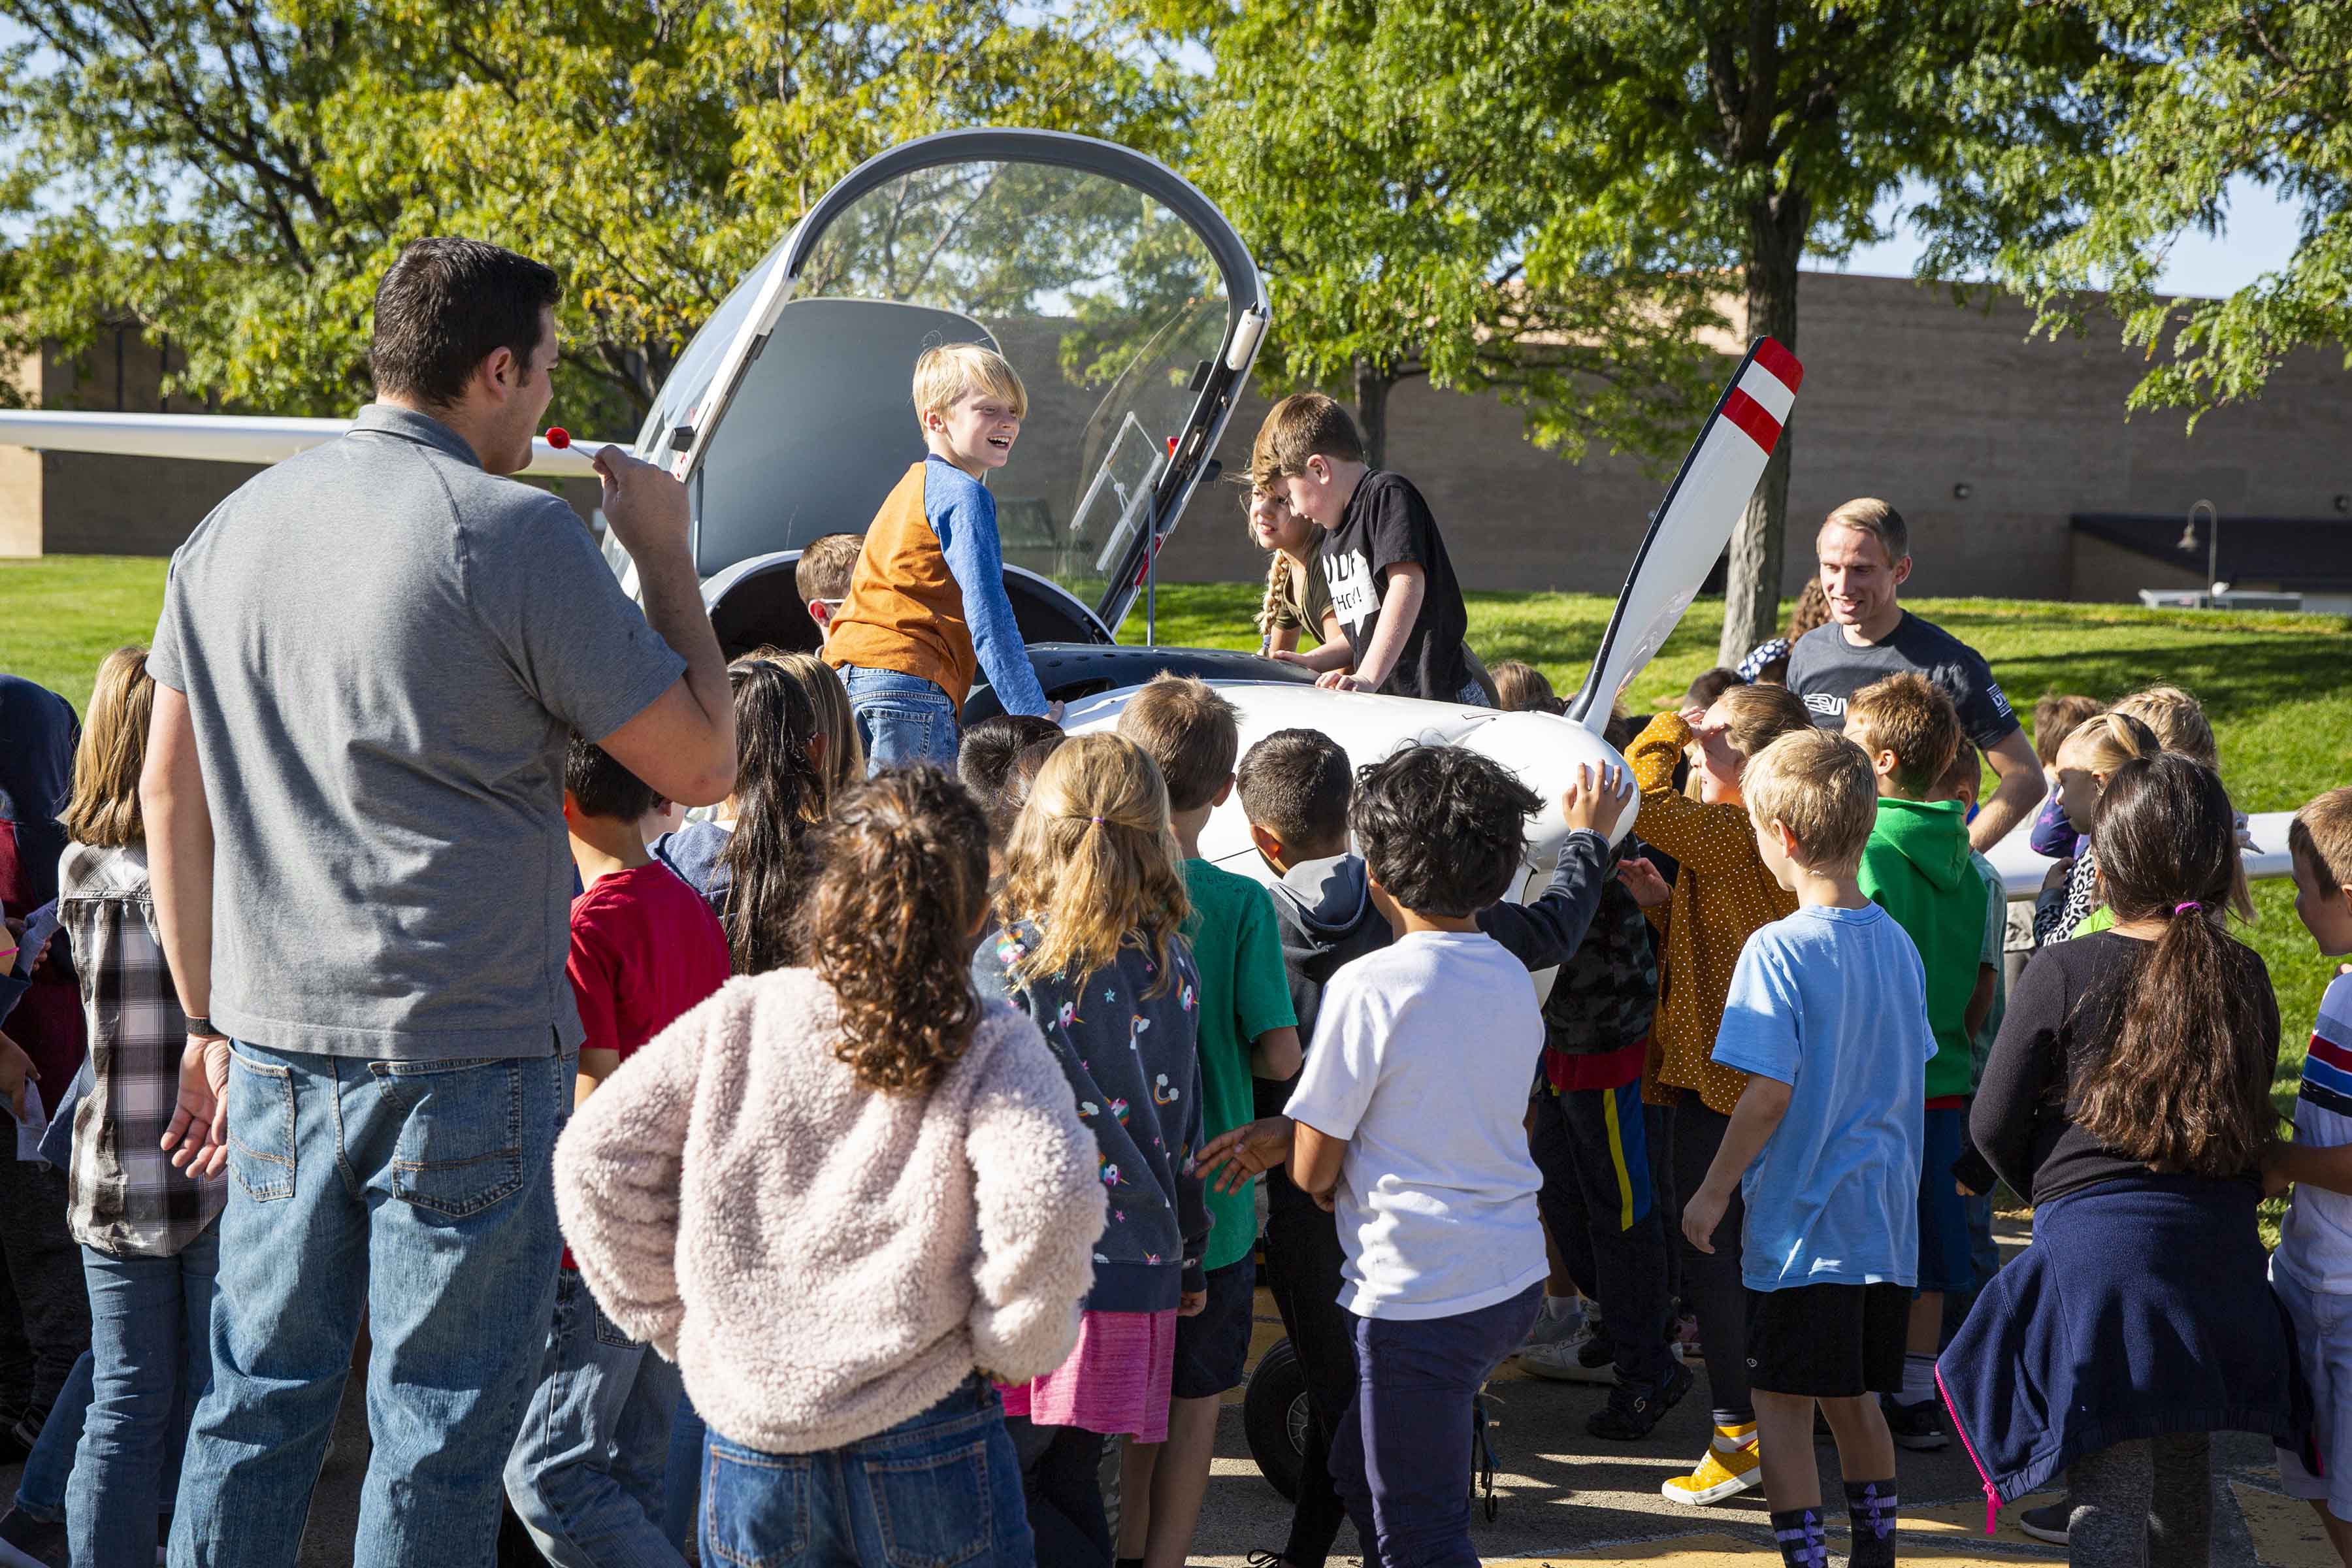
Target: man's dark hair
x,y
1296,784
445,306
1442,828
1710,684
985,759
603,786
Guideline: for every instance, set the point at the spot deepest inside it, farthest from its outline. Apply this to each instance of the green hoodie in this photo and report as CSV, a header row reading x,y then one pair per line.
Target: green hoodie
x,y
1916,867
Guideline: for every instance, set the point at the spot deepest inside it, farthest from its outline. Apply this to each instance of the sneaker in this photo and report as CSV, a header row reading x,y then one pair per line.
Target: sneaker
x,y
1581,1357
1915,1426
1551,1327
29,1542
1635,1407
1724,1472
2049,1522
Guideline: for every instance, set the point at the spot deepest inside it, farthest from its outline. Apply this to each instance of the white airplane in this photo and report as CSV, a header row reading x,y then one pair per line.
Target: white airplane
x,y
1133,311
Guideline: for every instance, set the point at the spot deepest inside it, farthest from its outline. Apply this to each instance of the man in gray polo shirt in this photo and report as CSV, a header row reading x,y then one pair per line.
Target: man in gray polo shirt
x,y
369,659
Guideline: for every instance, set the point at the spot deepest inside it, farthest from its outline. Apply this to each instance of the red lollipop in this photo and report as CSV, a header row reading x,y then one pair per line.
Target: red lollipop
x,y
558,437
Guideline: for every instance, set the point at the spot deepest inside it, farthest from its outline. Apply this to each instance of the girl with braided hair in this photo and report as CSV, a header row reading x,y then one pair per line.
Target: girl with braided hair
x,y
834,1194
1091,902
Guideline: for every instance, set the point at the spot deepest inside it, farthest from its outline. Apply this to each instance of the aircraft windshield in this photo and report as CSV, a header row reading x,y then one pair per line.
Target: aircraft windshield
x,y
1105,303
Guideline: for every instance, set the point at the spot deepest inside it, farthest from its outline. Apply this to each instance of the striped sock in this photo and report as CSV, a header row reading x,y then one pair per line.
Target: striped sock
x,y
1871,1506
1799,1531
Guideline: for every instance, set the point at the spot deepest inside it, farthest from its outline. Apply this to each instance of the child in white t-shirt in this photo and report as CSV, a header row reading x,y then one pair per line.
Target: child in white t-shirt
x,y
1408,1124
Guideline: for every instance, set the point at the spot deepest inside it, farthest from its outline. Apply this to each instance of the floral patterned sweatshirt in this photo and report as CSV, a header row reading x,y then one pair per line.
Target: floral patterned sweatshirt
x,y
1133,1059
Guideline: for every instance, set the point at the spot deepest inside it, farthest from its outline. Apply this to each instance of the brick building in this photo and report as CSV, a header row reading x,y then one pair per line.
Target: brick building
x,y
2012,457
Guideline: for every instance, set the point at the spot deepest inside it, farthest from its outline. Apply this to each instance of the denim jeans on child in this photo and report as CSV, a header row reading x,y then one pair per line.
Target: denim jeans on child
x,y
150,1321
940,1487
1402,1455
682,1477
49,1468
417,1193
586,1474
902,718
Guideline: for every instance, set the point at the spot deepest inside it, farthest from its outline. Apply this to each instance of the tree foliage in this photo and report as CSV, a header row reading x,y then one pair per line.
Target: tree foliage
x,y
1390,167
238,173
2202,93
1612,168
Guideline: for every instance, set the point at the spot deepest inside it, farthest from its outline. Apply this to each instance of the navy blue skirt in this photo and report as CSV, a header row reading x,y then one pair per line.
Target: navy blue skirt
x,y
2142,1307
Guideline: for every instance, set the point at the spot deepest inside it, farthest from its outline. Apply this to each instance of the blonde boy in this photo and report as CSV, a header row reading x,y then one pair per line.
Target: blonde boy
x,y
1916,867
2312,1270
926,613
1828,1016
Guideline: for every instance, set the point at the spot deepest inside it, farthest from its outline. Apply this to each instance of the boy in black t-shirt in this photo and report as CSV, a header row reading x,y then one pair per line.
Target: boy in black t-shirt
x,y
1393,586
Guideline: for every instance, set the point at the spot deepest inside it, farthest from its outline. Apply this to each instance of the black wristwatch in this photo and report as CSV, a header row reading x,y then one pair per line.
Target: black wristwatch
x,y
202,1027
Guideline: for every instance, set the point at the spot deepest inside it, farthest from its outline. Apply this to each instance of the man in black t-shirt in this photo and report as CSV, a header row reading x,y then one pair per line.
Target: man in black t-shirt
x,y
1865,557
1393,586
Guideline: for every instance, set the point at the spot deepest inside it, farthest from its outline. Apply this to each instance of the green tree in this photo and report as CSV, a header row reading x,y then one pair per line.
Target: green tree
x,y
1610,165
2202,93
1386,163
238,173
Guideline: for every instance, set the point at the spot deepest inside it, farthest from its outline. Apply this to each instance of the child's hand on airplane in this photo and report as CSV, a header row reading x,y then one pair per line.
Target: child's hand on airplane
x,y
1596,801
1649,886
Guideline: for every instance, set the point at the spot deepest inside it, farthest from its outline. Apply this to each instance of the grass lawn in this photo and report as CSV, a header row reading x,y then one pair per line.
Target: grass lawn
x,y
2279,688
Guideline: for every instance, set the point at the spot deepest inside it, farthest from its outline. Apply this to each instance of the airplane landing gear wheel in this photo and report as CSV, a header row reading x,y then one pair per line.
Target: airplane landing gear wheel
x,y
1273,1417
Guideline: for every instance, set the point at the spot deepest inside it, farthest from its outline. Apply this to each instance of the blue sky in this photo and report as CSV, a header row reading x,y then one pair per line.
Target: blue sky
x,y
2259,237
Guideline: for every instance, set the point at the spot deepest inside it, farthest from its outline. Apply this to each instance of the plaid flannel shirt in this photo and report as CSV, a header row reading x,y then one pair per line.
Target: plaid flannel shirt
x,y
122,1195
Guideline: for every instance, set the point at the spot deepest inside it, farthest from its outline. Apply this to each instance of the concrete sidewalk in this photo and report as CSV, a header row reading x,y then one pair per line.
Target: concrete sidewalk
x,y
1564,1498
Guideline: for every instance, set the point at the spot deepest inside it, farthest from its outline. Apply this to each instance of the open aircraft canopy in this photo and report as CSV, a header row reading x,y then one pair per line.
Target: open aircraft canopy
x,y
1126,301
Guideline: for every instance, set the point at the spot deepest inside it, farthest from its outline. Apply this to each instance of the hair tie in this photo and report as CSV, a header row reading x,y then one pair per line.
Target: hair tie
x,y
2184,908
1098,821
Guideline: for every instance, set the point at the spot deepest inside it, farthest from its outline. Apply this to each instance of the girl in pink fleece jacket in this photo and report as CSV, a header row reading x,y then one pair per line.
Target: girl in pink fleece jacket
x,y
834,1194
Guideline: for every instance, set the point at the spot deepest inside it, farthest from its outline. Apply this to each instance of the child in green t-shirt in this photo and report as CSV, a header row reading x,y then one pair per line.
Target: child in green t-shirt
x,y
1248,1029
1916,867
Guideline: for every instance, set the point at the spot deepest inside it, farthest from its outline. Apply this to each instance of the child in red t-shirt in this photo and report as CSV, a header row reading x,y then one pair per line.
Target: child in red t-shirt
x,y
645,948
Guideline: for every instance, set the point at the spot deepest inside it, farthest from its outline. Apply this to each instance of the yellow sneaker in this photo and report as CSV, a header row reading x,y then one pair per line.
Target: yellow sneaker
x,y
1730,1467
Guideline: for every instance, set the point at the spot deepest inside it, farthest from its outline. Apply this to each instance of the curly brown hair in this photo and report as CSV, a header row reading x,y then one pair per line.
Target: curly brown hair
x,y
901,883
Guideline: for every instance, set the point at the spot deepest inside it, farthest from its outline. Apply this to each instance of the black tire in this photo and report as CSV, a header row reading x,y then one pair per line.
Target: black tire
x,y
1273,1417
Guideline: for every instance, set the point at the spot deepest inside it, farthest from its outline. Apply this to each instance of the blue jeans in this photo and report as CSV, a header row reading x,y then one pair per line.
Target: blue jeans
x,y
149,1331
902,718
682,1480
1402,1455
41,1489
939,1488
585,1476
417,1193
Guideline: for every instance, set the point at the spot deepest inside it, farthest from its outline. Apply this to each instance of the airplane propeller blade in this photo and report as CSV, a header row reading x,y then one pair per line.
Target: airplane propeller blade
x,y
1693,524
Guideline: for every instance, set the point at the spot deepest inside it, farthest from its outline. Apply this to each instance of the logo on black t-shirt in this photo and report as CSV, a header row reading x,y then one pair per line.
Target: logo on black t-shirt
x,y
1353,596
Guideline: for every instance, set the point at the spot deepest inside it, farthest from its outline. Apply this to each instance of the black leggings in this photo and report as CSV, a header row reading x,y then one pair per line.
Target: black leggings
x,y
1303,1257
1711,1283
2143,1504
1061,1477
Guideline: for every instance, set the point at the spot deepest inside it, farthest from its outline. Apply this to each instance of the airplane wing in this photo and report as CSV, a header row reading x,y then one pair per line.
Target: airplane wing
x,y
220,437
1694,523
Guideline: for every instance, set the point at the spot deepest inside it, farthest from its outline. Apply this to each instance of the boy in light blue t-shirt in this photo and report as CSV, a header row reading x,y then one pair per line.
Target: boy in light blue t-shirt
x,y
1828,1015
